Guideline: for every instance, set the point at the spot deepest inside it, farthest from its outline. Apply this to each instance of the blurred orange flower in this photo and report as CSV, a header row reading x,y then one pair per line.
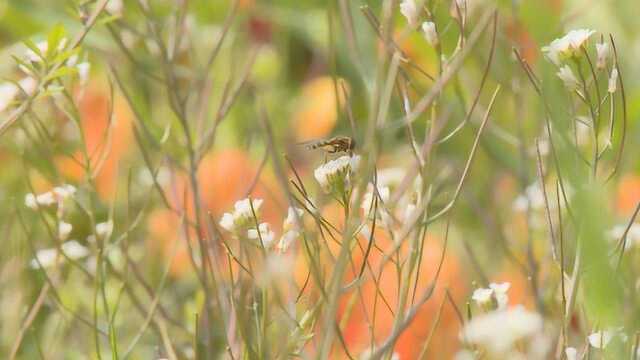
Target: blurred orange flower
x,y
628,194
317,108
105,152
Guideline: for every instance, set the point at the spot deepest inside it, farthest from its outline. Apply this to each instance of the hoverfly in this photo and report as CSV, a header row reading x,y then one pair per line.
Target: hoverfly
x,y
334,145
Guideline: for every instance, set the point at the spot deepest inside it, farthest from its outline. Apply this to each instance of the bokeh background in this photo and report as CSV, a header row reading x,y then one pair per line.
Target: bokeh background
x,y
301,52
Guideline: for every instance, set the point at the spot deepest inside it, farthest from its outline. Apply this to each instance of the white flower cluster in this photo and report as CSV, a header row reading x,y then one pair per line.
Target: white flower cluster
x,y
483,296
498,330
411,11
242,215
567,46
263,235
335,175
48,257
104,229
9,91
290,228
241,223
55,196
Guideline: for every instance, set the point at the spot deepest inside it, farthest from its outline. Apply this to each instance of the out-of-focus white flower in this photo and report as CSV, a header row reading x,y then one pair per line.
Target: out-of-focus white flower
x,y
30,201
47,257
32,56
633,235
600,339
43,46
287,239
571,353
55,196
266,235
294,215
242,215
500,290
28,85
9,91
104,229
408,212
409,9
83,71
482,296
114,7
430,33
613,81
500,329
64,229
567,46
369,197
566,75
602,53
336,173
390,176
64,192
226,222
533,197
243,208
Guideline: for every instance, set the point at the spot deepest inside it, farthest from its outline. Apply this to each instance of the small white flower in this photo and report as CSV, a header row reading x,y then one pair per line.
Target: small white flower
x,y
242,215
567,46
566,75
613,81
602,52
32,56
336,173
64,229
47,257
533,197
104,229
429,29
242,208
500,291
294,214
9,91
30,201
226,222
571,353
83,71
46,199
600,339
266,235
64,192
408,212
43,46
482,296
500,329
633,235
114,7
409,10
390,177
287,239
369,197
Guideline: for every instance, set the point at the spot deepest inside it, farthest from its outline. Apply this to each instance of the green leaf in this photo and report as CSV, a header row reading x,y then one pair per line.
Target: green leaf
x,y
61,72
65,55
54,39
